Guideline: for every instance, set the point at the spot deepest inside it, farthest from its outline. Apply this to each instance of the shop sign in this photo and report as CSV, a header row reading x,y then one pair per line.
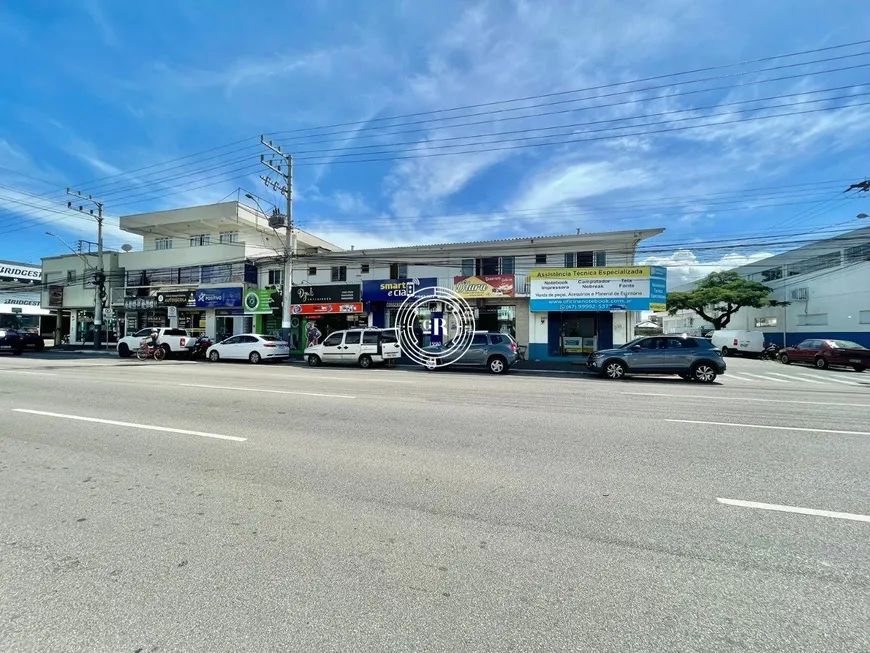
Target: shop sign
x,y
174,298
20,298
258,302
20,272
140,303
326,294
632,288
394,290
218,298
327,309
55,296
484,286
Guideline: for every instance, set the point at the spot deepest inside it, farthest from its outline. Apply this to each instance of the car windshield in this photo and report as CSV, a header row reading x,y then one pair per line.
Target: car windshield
x,y
845,344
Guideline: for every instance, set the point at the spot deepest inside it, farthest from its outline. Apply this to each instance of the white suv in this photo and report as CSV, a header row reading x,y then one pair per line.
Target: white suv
x,y
174,341
362,347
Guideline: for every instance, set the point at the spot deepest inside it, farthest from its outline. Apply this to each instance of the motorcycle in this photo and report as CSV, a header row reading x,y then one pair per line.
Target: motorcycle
x,y
200,347
770,353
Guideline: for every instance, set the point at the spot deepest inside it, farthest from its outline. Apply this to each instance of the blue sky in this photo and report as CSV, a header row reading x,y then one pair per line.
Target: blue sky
x,y
94,89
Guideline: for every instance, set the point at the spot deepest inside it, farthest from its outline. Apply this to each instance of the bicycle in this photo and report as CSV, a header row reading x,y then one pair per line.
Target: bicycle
x,y
147,351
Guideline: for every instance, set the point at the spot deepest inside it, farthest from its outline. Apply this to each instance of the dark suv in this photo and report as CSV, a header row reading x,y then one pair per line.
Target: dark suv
x,y
694,359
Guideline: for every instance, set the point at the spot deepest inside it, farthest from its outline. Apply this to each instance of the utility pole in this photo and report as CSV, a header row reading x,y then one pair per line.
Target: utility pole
x,y
100,275
283,167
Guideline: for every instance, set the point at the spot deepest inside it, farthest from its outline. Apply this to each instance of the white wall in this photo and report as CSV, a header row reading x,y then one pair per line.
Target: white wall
x,y
79,294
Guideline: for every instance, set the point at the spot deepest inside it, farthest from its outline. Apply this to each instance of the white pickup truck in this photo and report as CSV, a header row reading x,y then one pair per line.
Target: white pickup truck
x,y
174,341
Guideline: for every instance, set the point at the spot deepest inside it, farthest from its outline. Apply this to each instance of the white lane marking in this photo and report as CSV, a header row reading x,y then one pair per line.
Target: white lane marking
x,y
766,378
828,379
277,392
772,401
799,378
32,373
132,425
794,509
764,426
731,375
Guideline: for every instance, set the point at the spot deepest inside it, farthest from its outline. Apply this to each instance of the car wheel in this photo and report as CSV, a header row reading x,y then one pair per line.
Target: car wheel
x,y
821,363
498,365
704,373
784,359
365,361
40,344
124,351
724,351
166,350
254,357
18,352
214,357
313,360
614,370
858,368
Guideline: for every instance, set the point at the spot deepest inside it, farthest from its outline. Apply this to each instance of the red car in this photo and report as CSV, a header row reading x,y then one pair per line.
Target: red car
x,y
823,353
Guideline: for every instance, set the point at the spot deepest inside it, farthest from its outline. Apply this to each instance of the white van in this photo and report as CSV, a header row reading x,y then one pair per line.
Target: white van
x,y
731,342
363,347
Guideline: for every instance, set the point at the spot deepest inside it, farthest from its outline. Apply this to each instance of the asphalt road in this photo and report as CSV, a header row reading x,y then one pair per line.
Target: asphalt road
x,y
282,508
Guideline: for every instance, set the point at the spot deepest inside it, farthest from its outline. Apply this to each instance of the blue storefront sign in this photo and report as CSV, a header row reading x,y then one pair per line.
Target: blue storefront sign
x,y
632,288
218,298
394,290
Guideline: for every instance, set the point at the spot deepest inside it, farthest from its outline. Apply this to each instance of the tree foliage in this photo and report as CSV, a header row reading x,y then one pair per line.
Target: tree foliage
x,y
719,296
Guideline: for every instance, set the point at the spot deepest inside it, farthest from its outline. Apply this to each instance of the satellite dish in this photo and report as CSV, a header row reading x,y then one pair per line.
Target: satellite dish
x,y
127,248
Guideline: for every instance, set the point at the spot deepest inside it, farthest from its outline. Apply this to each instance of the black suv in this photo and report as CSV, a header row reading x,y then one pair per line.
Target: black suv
x,y
694,359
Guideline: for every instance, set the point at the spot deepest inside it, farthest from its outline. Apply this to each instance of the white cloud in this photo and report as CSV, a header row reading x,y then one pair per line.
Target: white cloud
x,y
684,266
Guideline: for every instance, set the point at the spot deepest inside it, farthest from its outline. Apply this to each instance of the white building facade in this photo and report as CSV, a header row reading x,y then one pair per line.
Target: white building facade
x,y
342,289
20,297
827,285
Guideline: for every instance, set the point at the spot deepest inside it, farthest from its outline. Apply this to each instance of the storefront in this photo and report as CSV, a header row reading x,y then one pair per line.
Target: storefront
x,y
494,298
224,312
21,310
328,308
574,311
383,298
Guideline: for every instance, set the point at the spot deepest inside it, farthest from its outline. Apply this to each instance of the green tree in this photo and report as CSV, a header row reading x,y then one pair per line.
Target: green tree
x,y
719,296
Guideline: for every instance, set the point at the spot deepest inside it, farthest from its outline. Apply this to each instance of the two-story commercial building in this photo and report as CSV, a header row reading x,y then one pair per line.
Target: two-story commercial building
x,y
193,271
827,285
561,296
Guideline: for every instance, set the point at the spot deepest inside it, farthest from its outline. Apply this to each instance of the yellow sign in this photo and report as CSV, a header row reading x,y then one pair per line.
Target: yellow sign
x,y
658,308
637,272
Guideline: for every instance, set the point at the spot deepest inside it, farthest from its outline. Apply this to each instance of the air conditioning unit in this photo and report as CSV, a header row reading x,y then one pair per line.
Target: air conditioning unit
x,y
800,294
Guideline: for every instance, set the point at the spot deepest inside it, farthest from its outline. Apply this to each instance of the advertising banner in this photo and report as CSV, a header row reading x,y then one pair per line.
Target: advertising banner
x,y
173,298
55,296
24,272
484,286
326,309
394,290
326,294
140,303
20,298
631,288
219,298
258,302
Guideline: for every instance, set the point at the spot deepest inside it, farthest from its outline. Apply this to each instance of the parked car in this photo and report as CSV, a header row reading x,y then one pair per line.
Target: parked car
x,y
691,358
364,347
495,351
11,340
732,341
824,353
32,339
253,347
173,341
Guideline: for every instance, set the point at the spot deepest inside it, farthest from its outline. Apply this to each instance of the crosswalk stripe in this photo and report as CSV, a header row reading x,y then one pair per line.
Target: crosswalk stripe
x,y
829,379
766,378
799,378
736,377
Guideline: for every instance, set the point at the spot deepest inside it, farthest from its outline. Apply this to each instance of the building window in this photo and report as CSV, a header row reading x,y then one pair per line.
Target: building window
x,y
813,319
823,262
339,273
227,237
71,276
364,268
163,243
488,265
275,277
540,259
569,260
856,254
188,275
467,267
397,271
864,317
312,271
200,240
600,259
585,259
761,322
507,265
771,275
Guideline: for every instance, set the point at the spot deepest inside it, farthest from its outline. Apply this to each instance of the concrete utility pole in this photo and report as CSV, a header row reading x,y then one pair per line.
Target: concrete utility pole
x,y
100,275
284,169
